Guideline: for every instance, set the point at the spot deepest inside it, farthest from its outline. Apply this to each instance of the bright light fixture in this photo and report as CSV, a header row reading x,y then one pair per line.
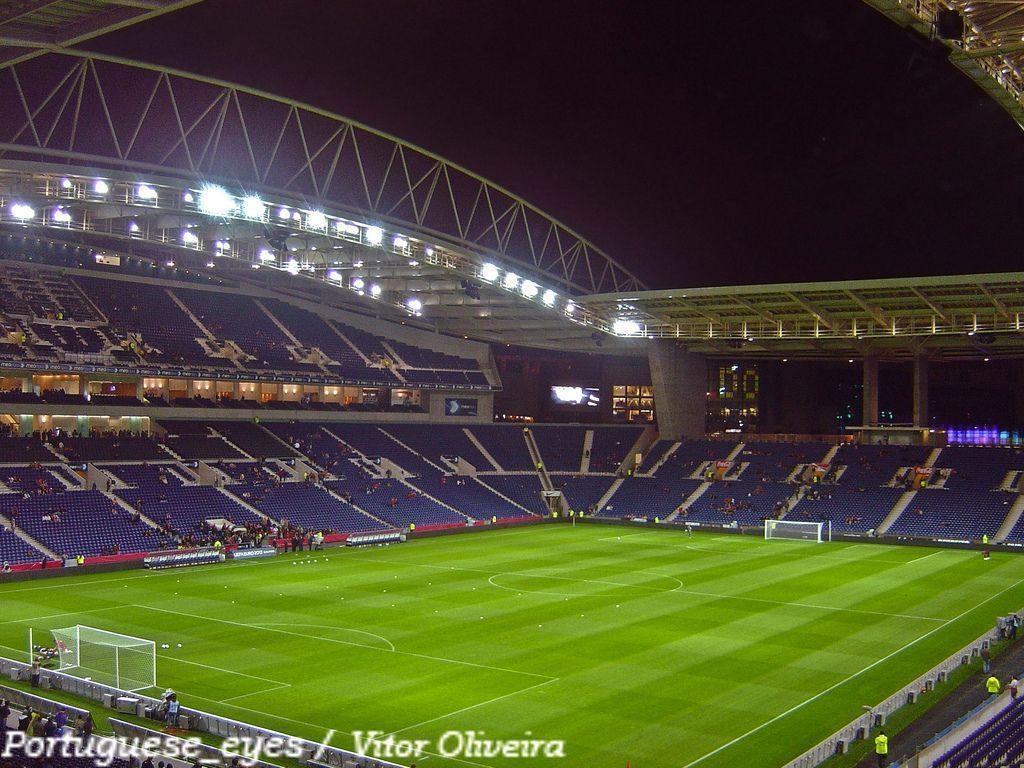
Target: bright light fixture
x,y
133,226
283,213
625,327
145,192
375,290
293,266
100,187
374,235
215,201
569,308
187,197
266,255
22,212
529,289
210,265
511,280
189,238
253,207
549,298
400,243
335,275
62,216
357,283
65,183
414,305
316,220
489,272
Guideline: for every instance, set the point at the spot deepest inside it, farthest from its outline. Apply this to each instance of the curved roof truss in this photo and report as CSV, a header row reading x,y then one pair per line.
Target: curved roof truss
x,y
103,112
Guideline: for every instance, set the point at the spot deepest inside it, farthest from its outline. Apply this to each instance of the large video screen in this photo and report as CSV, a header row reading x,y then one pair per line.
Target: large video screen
x,y
460,406
575,397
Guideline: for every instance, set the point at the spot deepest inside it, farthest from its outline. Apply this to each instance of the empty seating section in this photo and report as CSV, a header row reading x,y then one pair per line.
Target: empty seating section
x,y
506,445
561,448
202,447
395,502
774,462
874,465
253,439
522,489
70,338
419,357
691,454
88,523
24,449
611,446
436,440
33,479
325,450
978,469
944,513
650,497
14,550
465,494
851,510
999,742
230,316
124,447
249,472
182,509
306,505
655,454
42,293
582,492
146,475
168,334
745,502
370,441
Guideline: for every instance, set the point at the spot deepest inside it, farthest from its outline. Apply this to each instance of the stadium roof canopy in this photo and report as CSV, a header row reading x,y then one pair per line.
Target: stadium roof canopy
x,y
991,51
29,28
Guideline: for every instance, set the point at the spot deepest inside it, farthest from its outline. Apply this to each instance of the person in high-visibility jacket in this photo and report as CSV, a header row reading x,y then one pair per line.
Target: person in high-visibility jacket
x,y
882,748
992,684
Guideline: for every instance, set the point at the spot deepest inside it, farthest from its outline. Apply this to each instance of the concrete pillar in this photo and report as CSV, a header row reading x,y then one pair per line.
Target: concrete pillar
x,y
680,381
869,393
920,391
83,383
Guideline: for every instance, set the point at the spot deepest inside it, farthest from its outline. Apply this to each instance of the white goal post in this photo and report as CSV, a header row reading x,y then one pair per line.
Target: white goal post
x,y
110,658
798,530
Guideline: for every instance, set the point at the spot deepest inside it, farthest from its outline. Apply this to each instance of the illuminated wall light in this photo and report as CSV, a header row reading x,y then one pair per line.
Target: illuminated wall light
x,y
529,289
400,243
100,187
296,216
374,235
357,283
253,207
429,251
216,201
375,290
549,298
625,327
511,281
358,264
22,212
170,263
489,272
413,263
316,220
293,266
210,265
189,238
146,192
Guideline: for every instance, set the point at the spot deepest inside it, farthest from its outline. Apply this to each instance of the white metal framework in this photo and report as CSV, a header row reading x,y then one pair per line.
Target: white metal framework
x,y
798,530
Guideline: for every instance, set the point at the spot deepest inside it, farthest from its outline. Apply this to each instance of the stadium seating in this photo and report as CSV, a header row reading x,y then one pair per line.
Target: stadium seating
x,y
944,513
649,497
978,468
582,492
869,466
15,550
774,462
253,439
561,447
433,441
182,509
506,445
999,742
24,449
395,502
747,502
851,510
306,505
611,446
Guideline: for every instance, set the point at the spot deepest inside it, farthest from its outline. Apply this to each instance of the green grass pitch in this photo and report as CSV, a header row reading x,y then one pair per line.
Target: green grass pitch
x,y
630,645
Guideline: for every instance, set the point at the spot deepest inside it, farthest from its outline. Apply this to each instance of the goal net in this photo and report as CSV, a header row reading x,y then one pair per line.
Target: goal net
x,y
798,530
110,658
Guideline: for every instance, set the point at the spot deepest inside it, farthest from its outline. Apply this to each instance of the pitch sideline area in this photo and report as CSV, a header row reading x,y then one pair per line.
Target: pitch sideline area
x,y
647,646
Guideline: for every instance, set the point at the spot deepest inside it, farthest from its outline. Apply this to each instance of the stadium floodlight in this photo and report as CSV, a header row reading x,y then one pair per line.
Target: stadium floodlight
x,y
529,289
414,305
374,235
253,207
622,327
266,255
345,228
62,216
316,220
65,183
22,212
489,272
375,290
400,242
333,274
358,283
210,265
216,201
146,192
189,238
284,214
511,281
296,216
133,226
293,267
549,298
187,197
100,187
570,307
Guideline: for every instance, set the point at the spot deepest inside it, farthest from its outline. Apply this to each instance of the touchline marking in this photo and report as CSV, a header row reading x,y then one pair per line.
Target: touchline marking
x,y
391,646
341,642
257,693
855,675
925,557
221,669
473,706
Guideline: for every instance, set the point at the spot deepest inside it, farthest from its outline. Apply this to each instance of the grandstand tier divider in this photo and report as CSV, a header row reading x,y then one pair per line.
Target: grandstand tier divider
x,y
5,522
1010,522
895,512
480,447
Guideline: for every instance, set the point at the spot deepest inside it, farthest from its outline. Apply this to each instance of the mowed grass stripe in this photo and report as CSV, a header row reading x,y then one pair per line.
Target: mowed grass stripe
x,y
626,665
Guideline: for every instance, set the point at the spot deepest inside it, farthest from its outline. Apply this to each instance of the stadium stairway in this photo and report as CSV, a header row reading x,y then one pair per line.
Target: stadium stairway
x,y
588,443
1011,520
32,542
895,512
131,510
700,491
1011,482
793,500
245,505
603,502
238,448
501,495
932,457
664,457
337,497
480,447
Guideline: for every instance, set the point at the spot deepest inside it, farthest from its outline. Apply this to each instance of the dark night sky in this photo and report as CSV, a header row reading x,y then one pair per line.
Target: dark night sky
x,y
697,143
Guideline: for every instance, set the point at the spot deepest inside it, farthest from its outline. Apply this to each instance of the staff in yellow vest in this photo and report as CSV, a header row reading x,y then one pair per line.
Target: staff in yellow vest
x,y
992,685
882,748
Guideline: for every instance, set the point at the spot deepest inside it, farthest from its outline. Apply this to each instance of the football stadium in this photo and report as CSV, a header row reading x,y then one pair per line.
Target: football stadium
x,y
319,449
